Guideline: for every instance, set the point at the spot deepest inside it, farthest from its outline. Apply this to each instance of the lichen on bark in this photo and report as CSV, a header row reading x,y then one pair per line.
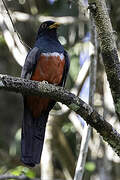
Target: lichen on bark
x,y
108,48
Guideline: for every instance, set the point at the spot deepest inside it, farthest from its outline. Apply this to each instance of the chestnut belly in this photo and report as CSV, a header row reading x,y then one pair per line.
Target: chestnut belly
x,y
50,67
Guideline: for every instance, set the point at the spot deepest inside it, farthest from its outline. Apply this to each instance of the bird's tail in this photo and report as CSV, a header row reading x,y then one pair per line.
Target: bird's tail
x,y
33,132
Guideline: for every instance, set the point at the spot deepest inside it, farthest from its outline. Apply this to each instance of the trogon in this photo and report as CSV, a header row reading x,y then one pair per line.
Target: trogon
x,y
46,61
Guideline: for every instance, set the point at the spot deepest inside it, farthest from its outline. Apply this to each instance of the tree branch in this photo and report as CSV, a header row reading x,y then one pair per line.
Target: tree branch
x,y
108,48
89,114
21,177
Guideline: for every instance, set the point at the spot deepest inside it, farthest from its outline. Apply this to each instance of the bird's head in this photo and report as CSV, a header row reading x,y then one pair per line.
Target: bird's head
x,y
48,27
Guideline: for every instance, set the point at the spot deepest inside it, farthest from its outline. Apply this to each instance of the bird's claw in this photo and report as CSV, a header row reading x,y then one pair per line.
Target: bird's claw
x,y
45,82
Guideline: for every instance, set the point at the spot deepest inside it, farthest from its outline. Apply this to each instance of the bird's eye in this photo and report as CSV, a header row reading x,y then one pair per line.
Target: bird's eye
x,y
43,26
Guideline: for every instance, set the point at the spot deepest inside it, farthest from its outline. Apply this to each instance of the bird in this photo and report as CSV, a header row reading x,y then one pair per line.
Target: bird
x,y
47,61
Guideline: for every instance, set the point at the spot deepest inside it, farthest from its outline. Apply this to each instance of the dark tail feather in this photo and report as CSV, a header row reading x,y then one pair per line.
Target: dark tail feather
x,y
33,132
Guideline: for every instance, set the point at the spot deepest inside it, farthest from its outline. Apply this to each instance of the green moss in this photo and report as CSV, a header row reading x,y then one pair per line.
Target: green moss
x,y
117,106
74,107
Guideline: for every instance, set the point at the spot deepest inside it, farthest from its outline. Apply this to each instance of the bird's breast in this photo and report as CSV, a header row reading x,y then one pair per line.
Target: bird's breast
x,y
49,67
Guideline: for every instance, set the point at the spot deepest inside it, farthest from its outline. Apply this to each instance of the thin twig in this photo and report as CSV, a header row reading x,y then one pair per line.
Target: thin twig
x,y
87,129
83,73
11,42
5,5
15,30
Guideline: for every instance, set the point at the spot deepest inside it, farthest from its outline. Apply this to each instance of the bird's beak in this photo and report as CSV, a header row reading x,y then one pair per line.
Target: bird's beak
x,y
55,25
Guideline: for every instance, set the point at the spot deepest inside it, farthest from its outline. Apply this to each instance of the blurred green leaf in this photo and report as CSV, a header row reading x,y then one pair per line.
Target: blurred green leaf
x,y
2,41
23,170
68,127
30,174
74,67
3,169
90,166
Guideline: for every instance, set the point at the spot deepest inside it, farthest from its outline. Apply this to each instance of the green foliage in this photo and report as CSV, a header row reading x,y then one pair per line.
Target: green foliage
x,y
68,128
2,41
23,170
74,67
69,132
90,166
74,64
74,53
3,169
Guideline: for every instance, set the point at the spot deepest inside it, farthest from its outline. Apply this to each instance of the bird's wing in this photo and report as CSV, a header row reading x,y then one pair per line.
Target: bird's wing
x,y
66,69
33,129
30,63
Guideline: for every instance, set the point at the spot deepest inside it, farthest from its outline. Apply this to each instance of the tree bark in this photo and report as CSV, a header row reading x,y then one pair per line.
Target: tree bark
x,y
108,48
60,94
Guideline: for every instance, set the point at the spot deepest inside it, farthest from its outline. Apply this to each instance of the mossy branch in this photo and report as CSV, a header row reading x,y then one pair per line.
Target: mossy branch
x,y
60,94
109,52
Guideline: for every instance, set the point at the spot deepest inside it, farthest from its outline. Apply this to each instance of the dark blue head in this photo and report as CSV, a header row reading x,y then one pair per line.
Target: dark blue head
x,y
48,28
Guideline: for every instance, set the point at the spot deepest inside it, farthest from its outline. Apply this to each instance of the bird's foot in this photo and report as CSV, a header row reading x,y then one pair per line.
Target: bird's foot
x,y
45,82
